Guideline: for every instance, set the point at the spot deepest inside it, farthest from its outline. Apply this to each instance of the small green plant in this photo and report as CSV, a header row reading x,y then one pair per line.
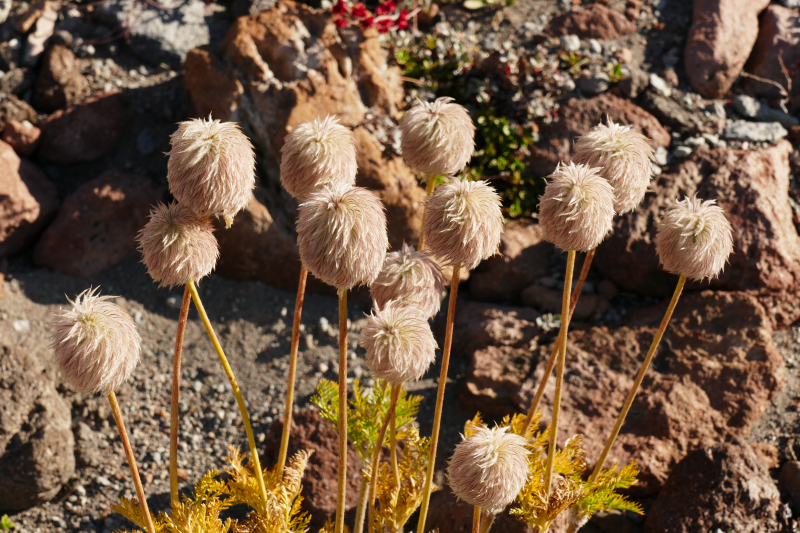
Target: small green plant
x,y
5,523
614,72
575,61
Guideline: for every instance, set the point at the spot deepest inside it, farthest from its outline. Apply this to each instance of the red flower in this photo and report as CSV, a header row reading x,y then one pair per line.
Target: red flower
x,y
359,11
340,22
339,8
402,20
367,22
384,25
386,8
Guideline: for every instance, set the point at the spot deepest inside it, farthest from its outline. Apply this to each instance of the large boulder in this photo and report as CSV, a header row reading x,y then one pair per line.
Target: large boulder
x,y
753,189
721,37
577,117
96,226
778,40
28,201
596,21
85,131
290,64
715,373
36,443
723,487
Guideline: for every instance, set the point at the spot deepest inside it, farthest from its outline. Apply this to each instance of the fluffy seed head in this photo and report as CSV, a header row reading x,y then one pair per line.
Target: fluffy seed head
x,y
96,343
437,138
489,468
399,343
341,233
211,168
623,156
464,222
177,245
694,239
317,153
411,277
577,208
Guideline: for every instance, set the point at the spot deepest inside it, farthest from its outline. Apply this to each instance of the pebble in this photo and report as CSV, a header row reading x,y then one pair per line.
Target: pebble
x,y
742,130
571,43
749,107
592,86
323,367
696,143
595,46
23,326
659,84
138,318
661,155
197,386
681,152
283,311
103,480
174,302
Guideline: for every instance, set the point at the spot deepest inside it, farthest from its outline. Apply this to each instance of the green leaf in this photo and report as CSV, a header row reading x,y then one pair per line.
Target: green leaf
x,y
5,523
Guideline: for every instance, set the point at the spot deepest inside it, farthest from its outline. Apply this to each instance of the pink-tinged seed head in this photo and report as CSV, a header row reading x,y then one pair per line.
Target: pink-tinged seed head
x,y
412,277
341,233
623,156
211,168
464,222
577,208
437,138
96,343
399,343
177,245
317,153
489,468
694,239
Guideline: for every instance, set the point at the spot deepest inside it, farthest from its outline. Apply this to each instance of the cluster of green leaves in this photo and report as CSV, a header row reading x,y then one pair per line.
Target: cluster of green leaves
x,y
5,523
426,60
366,412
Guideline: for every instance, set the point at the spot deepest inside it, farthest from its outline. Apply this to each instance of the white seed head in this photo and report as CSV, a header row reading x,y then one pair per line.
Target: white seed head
x,y
623,156
177,245
211,168
577,209
412,277
694,239
399,343
341,233
437,138
464,222
317,153
489,468
96,343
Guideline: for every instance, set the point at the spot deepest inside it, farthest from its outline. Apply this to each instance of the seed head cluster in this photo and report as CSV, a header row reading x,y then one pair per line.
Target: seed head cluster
x,y
341,233
623,157
177,245
489,468
577,208
96,343
694,239
211,168
317,153
412,277
464,222
437,138
399,343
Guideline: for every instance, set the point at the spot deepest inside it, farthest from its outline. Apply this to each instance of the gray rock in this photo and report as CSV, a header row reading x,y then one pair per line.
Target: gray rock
x,y
749,107
672,113
594,46
571,43
160,36
592,86
681,152
635,83
36,443
742,130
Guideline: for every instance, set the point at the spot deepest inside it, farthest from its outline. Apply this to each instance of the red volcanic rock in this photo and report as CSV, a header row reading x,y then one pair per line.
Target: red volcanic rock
x,y
97,225
778,39
23,138
721,37
60,81
596,21
28,201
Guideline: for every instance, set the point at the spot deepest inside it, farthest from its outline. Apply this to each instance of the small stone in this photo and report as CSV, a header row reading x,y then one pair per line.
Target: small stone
x,y
634,83
594,46
23,326
742,130
80,491
138,317
323,367
624,55
749,107
283,311
197,386
324,325
156,457
103,480
681,152
174,302
183,474
309,340
571,43
696,143
592,86
661,155
659,84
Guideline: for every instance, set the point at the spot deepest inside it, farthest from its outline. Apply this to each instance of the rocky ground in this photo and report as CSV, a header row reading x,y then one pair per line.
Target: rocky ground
x,y
90,91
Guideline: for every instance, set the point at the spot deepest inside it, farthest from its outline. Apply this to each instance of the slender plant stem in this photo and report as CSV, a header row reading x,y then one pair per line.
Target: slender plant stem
x,y
437,415
562,356
639,378
361,508
126,444
287,417
429,188
573,301
176,386
342,487
376,456
486,522
393,435
235,386
476,520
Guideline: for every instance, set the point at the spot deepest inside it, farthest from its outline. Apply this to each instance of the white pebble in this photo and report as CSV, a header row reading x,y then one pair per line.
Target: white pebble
x,y
323,367
22,325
